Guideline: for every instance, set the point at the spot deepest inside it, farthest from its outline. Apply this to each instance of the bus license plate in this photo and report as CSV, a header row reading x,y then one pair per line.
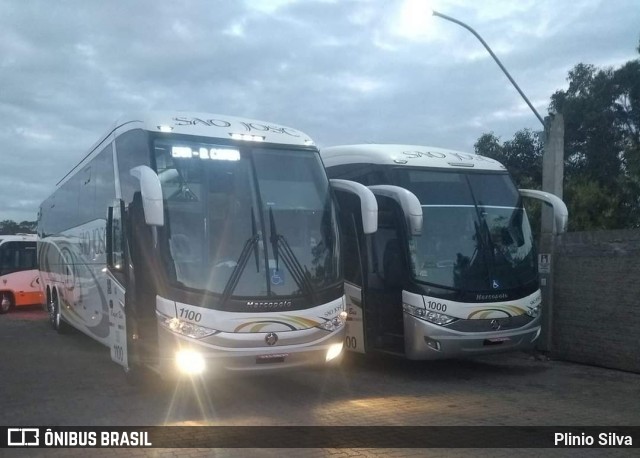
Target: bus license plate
x,y
269,359
499,339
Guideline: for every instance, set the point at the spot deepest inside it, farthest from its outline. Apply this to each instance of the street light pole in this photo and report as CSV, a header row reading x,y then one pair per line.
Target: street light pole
x,y
504,70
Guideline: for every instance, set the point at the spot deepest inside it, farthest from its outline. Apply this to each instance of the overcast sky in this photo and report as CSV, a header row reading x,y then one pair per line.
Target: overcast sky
x,y
342,71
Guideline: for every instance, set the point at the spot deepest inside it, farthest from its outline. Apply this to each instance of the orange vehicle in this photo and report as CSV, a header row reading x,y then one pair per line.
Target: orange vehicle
x,y
19,276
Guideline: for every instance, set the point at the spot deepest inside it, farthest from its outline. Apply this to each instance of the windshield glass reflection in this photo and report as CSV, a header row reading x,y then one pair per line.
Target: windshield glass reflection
x,y
218,213
476,235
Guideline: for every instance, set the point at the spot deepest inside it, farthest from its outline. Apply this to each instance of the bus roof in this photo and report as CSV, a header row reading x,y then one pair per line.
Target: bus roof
x,y
18,238
199,124
212,125
406,155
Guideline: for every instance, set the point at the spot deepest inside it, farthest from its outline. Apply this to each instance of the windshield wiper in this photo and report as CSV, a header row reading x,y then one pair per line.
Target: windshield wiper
x,y
289,258
241,263
254,231
274,238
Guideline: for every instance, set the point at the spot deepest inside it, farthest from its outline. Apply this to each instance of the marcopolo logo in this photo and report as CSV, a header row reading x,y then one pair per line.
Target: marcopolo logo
x,y
23,437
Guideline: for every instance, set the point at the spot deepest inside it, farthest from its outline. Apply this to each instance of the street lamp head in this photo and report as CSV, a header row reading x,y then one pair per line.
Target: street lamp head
x,y
495,58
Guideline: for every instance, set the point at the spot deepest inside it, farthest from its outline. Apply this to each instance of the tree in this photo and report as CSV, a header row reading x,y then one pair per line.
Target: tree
x,y
601,109
602,145
592,139
28,227
590,206
10,227
627,108
522,156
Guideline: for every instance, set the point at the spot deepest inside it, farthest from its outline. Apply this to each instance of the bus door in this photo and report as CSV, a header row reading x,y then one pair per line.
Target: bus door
x,y
115,287
388,274
353,254
143,284
358,211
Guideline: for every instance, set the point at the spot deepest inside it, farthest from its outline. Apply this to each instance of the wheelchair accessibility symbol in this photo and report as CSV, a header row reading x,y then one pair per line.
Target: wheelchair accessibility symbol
x,y
277,277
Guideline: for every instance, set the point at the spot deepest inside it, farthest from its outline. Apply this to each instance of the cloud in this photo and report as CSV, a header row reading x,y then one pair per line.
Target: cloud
x,y
342,71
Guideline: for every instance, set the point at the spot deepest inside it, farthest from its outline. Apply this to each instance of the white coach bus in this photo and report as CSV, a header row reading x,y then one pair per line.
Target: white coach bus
x,y
452,269
198,242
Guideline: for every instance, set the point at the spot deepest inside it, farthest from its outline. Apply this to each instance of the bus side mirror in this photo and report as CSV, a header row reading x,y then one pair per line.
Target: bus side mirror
x,y
560,212
368,203
151,191
408,202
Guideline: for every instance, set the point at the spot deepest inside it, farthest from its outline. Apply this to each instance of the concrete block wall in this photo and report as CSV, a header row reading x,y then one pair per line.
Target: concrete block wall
x,y
596,313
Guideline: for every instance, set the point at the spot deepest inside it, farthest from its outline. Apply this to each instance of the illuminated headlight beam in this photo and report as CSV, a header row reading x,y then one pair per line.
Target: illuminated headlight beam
x,y
190,362
334,351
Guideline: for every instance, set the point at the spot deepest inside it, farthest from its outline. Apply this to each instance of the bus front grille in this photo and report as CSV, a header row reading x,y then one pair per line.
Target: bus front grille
x,y
491,325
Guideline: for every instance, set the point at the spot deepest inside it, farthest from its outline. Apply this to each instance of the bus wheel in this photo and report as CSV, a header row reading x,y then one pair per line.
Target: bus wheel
x,y
6,303
52,311
55,316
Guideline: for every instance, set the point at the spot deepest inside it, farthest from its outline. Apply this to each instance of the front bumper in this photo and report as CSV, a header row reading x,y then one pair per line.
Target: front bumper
x,y
428,341
248,352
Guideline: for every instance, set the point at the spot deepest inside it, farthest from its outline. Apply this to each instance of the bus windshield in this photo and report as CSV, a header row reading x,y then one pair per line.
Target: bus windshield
x,y
475,236
247,220
17,257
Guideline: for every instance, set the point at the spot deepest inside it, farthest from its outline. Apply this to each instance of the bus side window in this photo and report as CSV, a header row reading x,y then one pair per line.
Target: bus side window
x,y
132,150
86,198
366,174
351,225
388,259
115,237
5,259
373,177
17,256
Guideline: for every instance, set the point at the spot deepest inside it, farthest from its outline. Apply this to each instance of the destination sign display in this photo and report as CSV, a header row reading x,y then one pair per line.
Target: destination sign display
x,y
217,153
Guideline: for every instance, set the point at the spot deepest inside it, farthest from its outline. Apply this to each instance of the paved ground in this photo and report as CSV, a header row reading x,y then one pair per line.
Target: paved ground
x,y
49,379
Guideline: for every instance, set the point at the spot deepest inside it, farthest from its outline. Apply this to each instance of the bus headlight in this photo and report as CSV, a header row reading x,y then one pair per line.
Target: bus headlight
x,y
335,323
190,362
433,317
186,329
439,318
419,312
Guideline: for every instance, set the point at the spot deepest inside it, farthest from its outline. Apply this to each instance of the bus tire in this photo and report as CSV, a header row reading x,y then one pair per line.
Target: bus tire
x,y
55,316
6,302
51,310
